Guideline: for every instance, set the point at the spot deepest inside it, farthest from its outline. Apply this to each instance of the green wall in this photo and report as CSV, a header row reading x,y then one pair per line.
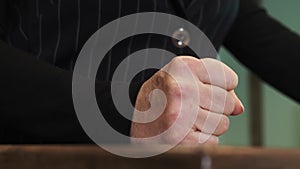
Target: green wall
x,y
281,115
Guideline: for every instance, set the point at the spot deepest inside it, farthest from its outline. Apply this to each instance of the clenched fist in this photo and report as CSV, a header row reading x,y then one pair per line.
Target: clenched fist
x,y
187,101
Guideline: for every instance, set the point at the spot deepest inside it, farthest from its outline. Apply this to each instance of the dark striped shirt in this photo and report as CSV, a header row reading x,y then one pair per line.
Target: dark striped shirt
x,y
40,41
55,30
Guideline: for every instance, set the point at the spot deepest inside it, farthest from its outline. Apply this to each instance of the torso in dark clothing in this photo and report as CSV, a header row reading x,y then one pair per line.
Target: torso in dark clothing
x,y
55,30
36,102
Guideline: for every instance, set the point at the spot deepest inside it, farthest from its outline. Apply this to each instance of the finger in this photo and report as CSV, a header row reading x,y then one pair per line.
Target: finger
x,y
218,74
238,106
212,71
212,123
208,139
197,137
216,99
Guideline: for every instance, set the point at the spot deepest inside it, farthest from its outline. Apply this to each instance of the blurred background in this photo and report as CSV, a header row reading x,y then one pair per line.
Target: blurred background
x,y
270,119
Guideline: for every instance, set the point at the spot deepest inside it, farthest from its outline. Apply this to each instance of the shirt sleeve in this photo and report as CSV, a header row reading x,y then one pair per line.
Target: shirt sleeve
x,y
2,15
36,103
266,47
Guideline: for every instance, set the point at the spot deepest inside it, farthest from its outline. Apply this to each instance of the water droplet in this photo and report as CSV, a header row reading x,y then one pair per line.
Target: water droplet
x,y
181,38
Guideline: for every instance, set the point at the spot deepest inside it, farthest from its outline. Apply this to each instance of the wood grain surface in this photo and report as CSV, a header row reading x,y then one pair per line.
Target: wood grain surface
x,y
187,157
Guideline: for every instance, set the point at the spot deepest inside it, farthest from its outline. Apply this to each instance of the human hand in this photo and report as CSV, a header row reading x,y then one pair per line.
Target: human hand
x,y
188,84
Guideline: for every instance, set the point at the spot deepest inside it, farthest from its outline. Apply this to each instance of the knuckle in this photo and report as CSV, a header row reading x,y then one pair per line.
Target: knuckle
x,y
188,60
176,61
233,80
209,60
236,79
205,71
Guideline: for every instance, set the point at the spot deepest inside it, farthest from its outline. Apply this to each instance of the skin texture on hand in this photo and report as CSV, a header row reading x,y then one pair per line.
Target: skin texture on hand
x,y
207,88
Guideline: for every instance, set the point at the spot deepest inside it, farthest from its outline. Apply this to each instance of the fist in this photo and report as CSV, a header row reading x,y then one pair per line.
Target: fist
x,y
187,101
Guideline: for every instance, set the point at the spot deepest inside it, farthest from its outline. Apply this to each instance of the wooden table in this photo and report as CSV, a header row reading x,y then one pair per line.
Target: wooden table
x,y
187,157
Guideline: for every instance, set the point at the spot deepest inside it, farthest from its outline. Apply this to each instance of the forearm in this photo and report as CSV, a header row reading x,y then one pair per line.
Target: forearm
x,y
267,47
36,98
37,103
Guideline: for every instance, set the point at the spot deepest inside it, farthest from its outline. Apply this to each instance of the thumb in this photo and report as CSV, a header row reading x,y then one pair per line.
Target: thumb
x,y
239,107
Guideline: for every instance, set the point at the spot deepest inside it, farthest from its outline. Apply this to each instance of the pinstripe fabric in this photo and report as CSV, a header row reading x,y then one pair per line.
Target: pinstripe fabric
x,y
58,31
55,30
